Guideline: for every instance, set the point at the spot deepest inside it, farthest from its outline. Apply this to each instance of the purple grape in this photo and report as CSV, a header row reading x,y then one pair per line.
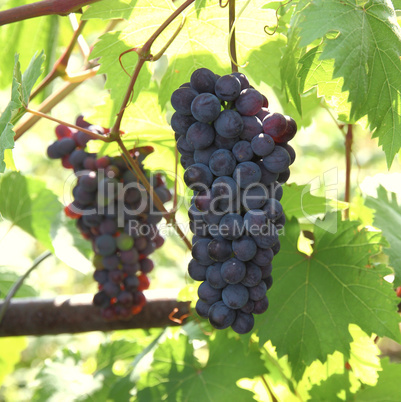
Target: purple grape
x,y
228,87
249,102
203,80
242,151
263,257
220,249
198,177
243,323
206,108
200,252
208,294
200,135
277,161
213,276
225,143
105,245
235,296
182,98
233,271
261,305
229,124
197,271
247,173
231,226
203,155
202,308
222,163
221,316
244,248
275,125
252,127
180,123
242,79
262,145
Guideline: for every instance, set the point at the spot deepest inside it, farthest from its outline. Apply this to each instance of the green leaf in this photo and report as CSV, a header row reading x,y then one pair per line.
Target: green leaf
x,y
298,201
110,9
387,217
29,205
8,279
366,49
11,354
21,88
387,388
176,373
109,48
315,298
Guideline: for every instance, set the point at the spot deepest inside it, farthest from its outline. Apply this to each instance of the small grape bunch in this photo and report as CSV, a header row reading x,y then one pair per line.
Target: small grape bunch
x,y
236,154
115,213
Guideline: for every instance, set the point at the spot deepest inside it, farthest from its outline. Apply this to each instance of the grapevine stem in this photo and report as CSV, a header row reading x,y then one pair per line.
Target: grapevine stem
x,y
272,396
59,68
233,49
83,46
144,55
175,181
20,281
170,218
92,134
348,167
40,8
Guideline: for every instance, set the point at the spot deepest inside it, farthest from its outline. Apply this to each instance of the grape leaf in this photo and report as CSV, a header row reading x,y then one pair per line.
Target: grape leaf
x,y
109,9
177,375
8,279
315,298
20,90
387,388
29,205
366,52
109,48
299,202
388,218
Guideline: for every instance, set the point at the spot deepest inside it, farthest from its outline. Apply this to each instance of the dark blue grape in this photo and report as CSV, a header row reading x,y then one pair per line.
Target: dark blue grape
x,y
213,276
273,209
224,188
275,191
262,144
266,270
82,196
208,294
252,127
88,181
111,262
242,151
200,252
203,200
91,219
278,161
267,237
280,222
222,163
182,98
111,289
235,296
108,226
197,271
186,161
249,102
247,173
254,221
254,196
261,306
225,143
203,155
101,276
105,245
77,158
131,283
233,271
253,275
53,151
244,248
221,316
267,176
228,87
231,226
200,135
184,147
220,249
198,177
101,299
202,308
180,123
229,124
257,292
130,256
199,229
242,79
269,282
284,176
262,114
212,218
131,269
263,256
203,80
206,108
243,323
290,151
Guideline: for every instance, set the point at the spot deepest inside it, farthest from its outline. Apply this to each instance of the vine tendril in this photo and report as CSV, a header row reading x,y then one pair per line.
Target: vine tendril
x,y
266,27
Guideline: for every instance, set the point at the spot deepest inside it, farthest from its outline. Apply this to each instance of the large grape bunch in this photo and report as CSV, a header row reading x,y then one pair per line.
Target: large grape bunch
x,y
114,212
236,155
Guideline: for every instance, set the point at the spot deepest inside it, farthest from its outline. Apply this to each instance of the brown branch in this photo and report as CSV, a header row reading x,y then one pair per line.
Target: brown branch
x,y
348,167
40,8
233,50
144,55
74,314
